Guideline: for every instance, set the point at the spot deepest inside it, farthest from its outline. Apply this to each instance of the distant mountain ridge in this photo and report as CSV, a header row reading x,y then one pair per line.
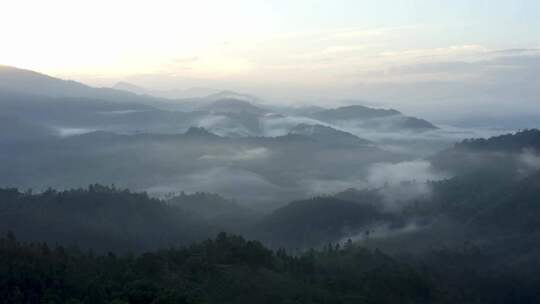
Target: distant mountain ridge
x,y
200,132
316,221
353,112
518,141
233,105
30,82
509,151
382,119
328,134
226,113
126,86
195,92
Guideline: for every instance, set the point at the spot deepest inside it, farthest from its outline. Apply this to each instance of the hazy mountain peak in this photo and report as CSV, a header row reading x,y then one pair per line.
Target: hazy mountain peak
x,y
233,102
373,118
126,86
227,94
34,83
326,134
525,139
195,92
28,81
354,112
7,67
199,132
233,105
413,123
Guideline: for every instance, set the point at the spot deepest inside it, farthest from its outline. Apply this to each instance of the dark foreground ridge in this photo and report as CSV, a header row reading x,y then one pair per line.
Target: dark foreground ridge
x,y
229,269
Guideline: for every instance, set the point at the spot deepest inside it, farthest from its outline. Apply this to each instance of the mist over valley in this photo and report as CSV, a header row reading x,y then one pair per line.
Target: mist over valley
x,y
273,152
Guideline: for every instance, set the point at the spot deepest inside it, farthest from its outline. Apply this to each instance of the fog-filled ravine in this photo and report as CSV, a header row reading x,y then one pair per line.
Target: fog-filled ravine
x,y
350,204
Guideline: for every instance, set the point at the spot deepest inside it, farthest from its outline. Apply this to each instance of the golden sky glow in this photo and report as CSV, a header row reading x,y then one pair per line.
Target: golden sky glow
x,y
298,42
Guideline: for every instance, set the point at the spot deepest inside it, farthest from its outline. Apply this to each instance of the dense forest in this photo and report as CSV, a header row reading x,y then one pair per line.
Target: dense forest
x,y
229,269
99,217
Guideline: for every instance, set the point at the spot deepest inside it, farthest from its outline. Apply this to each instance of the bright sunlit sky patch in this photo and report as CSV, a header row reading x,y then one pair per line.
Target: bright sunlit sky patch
x,y
283,46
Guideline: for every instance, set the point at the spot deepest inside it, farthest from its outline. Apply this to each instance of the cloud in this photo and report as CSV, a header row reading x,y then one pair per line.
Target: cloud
x,y
222,125
452,63
432,53
243,185
403,182
394,174
281,125
529,162
66,132
383,231
398,183
240,155
314,187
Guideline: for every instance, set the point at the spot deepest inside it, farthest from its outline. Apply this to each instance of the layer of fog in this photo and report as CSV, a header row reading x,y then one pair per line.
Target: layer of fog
x,y
398,183
241,185
528,161
382,231
403,182
240,155
223,126
413,143
229,171
66,132
281,125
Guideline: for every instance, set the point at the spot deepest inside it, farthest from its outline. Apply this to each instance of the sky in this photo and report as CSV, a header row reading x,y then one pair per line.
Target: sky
x,y
413,54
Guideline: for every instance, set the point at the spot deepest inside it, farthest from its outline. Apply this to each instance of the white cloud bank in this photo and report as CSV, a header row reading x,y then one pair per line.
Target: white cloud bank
x,y
403,182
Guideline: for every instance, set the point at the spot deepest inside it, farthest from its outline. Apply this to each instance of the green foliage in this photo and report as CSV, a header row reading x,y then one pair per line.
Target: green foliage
x,y
312,222
101,218
227,269
508,142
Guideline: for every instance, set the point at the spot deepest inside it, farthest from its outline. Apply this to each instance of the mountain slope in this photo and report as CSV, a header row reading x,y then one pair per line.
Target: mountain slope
x,y
328,135
234,106
370,118
30,82
315,222
516,142
353,112
171,94
98,217
511,152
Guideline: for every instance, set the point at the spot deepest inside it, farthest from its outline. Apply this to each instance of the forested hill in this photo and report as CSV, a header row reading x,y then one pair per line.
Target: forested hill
x,y
508,142
311,222
229,269
99,217
502,155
